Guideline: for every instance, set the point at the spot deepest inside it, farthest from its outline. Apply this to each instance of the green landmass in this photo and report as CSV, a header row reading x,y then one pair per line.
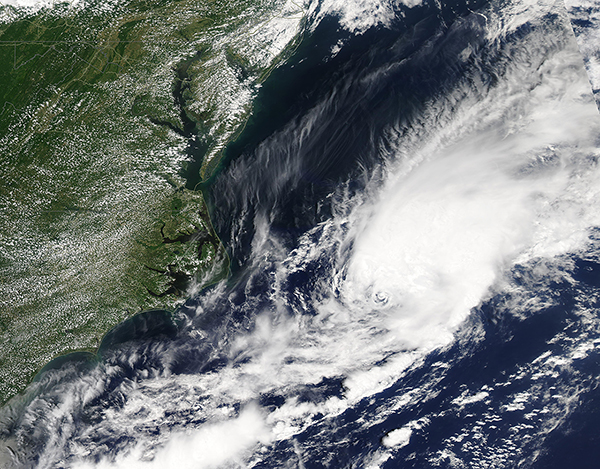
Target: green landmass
x,y
110,113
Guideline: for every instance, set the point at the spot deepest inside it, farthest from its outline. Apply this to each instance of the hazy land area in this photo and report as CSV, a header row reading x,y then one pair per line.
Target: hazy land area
x,y
110,114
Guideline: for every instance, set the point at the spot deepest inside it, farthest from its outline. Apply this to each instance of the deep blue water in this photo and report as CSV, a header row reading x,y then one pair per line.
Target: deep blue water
x,y
517,386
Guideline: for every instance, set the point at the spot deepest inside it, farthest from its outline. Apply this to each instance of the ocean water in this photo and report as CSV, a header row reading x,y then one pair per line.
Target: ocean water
x,y
412,215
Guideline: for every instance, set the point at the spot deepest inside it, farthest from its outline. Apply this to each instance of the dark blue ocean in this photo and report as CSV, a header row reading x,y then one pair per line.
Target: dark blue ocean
x,y
412,218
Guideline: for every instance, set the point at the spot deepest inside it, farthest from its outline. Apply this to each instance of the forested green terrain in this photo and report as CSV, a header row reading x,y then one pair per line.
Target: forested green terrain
x,y
110,114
